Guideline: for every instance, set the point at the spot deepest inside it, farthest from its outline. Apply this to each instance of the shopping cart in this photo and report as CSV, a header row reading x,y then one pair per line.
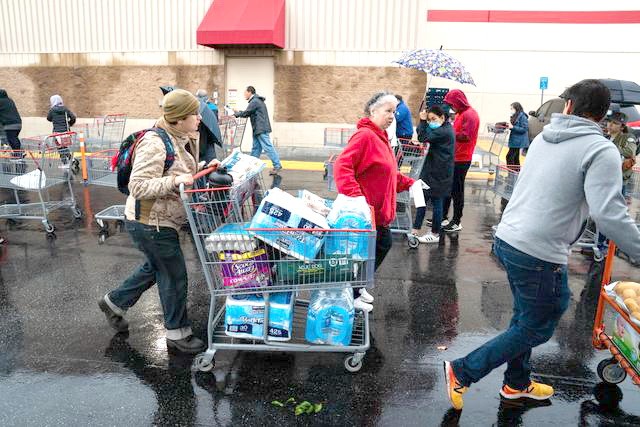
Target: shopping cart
x,y
505,180
103,132
232,130
632,186
65,142
410,156
615,330
489,158
100,172
328,170
36,172
209,209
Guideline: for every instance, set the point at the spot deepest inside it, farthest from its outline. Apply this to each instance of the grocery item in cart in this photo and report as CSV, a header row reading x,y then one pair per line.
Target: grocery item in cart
x,y
244,316
627,296
330,317
325,269
242,263
627,339
280,211
34,180
349,213
242,166
315,202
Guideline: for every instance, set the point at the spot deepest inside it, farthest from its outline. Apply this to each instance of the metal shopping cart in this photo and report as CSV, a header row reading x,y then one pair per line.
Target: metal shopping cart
x,y
489,158
334,138
100,172
505,180
103,132
209,209
617,331
36,172
632,187
65,142
410,156
232,130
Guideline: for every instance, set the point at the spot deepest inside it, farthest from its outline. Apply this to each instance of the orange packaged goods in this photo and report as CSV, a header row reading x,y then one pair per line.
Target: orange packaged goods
x,y
627,295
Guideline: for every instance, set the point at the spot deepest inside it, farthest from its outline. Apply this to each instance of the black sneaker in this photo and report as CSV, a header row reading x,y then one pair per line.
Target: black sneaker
x,y
452,227
116,321
190,344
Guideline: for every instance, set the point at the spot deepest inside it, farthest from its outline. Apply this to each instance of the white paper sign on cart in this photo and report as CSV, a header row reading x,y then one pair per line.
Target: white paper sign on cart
x,y
417,194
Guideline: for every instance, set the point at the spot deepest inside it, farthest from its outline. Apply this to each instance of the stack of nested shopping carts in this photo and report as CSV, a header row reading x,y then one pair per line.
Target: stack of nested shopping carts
x,y
29,173
257,276
103,132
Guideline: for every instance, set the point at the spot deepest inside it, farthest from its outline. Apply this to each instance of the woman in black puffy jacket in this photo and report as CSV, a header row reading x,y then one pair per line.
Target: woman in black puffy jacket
x,y
61,117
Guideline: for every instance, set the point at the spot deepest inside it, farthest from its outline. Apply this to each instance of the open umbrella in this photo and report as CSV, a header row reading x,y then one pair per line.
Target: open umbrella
x,y
623,92
435,63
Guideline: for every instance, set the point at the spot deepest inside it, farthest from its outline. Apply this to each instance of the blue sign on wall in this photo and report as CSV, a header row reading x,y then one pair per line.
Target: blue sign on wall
x,y
544,83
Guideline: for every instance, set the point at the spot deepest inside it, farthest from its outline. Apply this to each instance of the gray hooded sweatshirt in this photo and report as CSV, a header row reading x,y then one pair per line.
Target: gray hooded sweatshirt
x,y
572,171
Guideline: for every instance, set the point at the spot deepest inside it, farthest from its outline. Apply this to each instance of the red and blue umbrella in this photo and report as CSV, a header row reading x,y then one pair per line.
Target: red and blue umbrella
x,y
436,63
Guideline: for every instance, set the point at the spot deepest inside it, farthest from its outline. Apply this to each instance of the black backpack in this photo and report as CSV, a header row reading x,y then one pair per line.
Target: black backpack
x,y
123,161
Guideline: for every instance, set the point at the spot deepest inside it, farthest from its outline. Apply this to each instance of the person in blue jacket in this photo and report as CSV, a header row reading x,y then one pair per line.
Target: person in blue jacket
x,y
404,125
519,136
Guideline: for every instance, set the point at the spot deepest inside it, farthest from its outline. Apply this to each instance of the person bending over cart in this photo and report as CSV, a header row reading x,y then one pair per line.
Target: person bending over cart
x,y
367,167
154,214
572,171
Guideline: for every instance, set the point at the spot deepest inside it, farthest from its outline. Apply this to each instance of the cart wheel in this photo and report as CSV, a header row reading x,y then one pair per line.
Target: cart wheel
x,y
51,236
75,166
611,372
104,226
597,255
200,364
412,242
49,228
102,237
350,366
77,212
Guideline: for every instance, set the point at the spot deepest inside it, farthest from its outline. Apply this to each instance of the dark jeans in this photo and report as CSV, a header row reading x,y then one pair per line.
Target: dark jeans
x,y
513,156
12,138
164,266
457,192
437,214
384,242
540,296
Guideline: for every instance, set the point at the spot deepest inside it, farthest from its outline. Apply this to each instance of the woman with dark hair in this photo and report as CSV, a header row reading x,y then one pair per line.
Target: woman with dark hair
x,y
437,170
519,136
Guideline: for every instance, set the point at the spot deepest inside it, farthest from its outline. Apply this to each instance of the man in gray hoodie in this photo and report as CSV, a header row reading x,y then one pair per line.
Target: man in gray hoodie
x,y
572,171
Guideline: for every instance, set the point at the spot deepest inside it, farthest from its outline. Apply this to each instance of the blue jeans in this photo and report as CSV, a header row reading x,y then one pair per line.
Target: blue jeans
x,y
164,266
262,142
437,203
540,296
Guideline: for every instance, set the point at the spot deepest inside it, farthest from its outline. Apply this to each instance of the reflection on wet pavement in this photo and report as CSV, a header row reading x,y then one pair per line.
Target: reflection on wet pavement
x,y
61,365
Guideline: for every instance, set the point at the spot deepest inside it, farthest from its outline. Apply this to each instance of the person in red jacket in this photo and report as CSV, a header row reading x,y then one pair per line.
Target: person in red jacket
x,y
367,167
465,126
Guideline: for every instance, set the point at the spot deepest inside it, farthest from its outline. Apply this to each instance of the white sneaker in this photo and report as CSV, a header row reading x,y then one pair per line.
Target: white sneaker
x,y
453,227
429,238
358,304
444,223
366,296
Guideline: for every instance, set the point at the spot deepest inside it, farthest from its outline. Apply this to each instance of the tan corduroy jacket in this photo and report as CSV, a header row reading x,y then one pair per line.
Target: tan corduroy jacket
x,y
158,197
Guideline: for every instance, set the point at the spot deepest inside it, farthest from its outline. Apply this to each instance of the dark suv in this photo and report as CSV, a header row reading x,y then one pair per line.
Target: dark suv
x,y
542,116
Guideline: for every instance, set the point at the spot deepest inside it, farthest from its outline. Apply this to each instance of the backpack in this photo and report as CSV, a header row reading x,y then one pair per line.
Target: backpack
x,y
123,161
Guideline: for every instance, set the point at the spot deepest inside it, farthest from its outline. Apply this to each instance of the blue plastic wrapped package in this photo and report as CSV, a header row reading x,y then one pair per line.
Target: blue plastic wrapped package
x,y
244,316
280,210
349,213
330,317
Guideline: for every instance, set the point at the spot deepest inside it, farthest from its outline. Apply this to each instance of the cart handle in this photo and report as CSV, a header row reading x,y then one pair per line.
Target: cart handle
x,y
204,172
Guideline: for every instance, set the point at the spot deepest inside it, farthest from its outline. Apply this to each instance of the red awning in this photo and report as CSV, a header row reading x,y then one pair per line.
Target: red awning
x,y
243,22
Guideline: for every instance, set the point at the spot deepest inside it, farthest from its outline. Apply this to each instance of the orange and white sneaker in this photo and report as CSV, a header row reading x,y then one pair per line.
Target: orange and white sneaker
x,y
535,391
455,390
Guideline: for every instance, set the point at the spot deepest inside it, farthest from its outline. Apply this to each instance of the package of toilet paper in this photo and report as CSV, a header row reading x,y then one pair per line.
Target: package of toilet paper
x,y
278,212
242,166
244,316
242,263
349,213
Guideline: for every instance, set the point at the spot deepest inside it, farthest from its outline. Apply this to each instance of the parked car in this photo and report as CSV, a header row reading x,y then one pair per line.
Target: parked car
x,y
542,116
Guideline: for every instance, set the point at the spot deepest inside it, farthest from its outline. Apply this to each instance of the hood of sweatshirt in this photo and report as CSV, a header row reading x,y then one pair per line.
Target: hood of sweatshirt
x,y
564,127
